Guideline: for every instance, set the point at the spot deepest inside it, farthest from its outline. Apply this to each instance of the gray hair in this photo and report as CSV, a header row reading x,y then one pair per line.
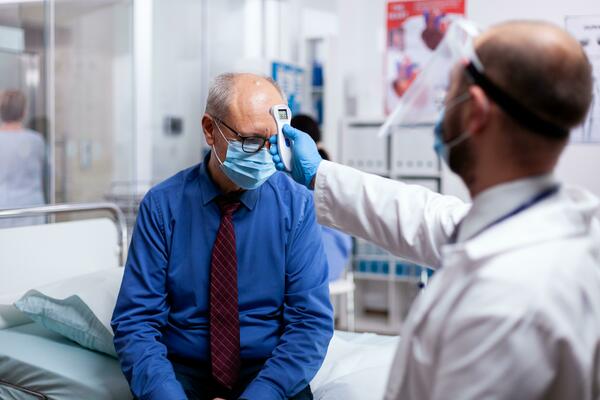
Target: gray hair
x,y
221,92
12,106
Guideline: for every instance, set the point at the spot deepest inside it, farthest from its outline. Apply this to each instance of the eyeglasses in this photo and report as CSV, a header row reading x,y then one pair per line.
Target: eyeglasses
x,y
250,144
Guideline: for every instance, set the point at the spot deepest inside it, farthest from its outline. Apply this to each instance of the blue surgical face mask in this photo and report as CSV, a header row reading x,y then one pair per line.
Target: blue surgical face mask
x,y
247,170
443,148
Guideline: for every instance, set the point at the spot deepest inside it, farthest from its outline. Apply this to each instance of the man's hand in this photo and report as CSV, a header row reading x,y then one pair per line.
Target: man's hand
x,y
305,156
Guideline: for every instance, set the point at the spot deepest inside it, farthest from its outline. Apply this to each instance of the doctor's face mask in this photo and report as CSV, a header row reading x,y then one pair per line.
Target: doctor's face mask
x,y
441,145
451,137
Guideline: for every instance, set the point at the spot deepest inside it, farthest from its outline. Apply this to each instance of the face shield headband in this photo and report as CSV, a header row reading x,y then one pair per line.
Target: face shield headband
x,y
422,102
512,107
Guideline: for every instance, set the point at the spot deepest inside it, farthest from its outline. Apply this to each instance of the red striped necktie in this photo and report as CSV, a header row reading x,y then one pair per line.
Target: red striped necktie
x,y
224,313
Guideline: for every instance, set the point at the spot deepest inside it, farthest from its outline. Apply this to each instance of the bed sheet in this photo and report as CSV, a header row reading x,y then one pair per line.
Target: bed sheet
x,y
34,360
41,361
357,367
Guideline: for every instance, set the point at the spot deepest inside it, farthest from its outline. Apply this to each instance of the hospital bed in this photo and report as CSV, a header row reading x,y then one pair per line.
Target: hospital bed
x,y
38,363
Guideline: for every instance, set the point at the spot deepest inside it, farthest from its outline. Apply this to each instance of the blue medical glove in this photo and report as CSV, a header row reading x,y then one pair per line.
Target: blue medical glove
x,y
305,156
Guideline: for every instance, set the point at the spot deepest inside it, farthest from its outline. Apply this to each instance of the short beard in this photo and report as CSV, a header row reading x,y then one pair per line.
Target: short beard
x,y
462,162
461,159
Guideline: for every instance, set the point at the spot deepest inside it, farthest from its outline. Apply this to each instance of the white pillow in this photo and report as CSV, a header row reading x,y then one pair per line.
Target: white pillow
x,y
79,308
355,370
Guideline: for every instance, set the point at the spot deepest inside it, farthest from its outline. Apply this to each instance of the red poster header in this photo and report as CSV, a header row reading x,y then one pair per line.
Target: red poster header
x,y
399,11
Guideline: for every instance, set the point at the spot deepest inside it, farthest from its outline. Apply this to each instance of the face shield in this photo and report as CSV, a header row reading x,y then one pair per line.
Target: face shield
x,y
421,103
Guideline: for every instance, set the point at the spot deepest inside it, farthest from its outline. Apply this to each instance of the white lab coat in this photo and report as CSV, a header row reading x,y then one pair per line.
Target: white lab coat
x,y
513,314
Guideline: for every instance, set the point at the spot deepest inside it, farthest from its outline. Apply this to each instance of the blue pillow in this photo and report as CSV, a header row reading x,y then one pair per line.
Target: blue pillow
x,y
69,317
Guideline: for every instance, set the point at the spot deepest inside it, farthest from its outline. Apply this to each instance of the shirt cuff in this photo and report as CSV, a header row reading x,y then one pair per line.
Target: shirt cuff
x,y
170,389
258,390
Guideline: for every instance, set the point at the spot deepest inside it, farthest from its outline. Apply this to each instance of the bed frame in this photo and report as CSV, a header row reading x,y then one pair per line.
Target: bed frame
x,y
35,255
113,209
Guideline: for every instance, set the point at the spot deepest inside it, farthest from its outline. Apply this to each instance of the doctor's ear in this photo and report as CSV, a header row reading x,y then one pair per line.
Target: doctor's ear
x,y
480,110
208,127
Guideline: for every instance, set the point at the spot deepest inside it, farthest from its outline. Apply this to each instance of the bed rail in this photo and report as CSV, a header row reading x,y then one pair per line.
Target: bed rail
x,y
117,216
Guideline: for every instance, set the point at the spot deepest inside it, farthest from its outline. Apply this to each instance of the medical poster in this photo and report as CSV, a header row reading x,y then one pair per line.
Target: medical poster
x,y
414,29
586,30
291,80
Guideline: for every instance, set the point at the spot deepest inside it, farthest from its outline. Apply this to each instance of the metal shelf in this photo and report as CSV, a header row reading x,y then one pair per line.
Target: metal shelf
x,y
381,284
385,277
416,176
376,323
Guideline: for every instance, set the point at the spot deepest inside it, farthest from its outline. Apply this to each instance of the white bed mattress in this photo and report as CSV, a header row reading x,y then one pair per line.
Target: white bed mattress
x,y
357,367
37,360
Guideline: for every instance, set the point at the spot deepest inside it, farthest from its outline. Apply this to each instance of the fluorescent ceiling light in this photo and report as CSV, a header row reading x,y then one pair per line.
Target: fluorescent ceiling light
x,y
19,1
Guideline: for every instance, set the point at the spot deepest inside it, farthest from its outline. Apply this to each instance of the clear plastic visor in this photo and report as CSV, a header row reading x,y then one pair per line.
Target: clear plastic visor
x,y
424,99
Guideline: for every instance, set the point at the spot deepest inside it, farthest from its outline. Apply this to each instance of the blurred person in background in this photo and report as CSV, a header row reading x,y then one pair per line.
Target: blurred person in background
x,y
338,245
22,155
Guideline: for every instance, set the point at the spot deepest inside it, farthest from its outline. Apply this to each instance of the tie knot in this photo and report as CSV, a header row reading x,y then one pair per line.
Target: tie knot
x,y
228,205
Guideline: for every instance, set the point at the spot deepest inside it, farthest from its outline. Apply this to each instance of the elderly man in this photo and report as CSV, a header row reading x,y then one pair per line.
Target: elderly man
x,y
225,290
514,310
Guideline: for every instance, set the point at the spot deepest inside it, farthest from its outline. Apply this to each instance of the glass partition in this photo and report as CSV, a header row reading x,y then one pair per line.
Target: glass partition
x,y
24,141
94,106
73,62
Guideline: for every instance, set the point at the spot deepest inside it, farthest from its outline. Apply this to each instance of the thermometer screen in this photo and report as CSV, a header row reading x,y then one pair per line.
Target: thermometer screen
x,y
282,114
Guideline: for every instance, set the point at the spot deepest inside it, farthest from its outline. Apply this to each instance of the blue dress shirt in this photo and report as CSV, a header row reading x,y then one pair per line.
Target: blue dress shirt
x,y
163,305
338,248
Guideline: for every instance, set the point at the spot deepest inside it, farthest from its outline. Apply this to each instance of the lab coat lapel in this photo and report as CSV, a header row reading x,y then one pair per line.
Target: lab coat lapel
x,y
567,214
559,218
447,280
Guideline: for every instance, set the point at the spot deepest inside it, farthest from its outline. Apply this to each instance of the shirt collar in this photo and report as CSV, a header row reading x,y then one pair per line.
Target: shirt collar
x,y
209,191
500,200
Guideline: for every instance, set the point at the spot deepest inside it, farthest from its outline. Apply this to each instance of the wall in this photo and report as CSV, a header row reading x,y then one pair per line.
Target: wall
x,y
193,41
94,138
362,42
177,88
580,162
123,97
362,27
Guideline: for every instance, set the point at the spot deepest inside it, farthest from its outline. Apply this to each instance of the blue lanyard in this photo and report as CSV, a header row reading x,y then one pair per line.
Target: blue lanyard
x,y
528,204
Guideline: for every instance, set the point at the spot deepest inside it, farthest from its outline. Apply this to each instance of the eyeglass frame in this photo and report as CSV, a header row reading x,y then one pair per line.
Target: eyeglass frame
x,y
243,138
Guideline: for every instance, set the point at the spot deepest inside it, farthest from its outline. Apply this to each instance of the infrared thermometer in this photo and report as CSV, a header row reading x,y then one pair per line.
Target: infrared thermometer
x,y
282,115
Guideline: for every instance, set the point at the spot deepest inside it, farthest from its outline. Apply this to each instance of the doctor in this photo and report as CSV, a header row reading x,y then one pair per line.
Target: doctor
x,y
514,310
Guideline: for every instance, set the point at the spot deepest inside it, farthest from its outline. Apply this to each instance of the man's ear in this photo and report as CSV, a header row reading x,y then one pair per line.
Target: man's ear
x,y
208,127
479,113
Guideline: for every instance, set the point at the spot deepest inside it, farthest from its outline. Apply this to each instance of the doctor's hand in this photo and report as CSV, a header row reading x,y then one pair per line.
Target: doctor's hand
x,y
305,156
